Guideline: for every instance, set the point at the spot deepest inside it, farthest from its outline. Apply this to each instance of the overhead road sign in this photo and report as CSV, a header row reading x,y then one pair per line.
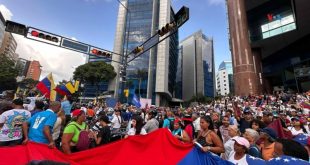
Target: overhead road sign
x,y
74,45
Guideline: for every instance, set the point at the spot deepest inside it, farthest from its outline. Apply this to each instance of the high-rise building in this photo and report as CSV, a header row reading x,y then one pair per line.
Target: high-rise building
x,y
23,66
269,43
224,79
198,66
8,46
34,70
153,74
2,28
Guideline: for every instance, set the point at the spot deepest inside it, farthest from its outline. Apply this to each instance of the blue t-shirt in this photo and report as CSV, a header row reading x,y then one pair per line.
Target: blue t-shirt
x,y
167,122
66,106
37,123
254,151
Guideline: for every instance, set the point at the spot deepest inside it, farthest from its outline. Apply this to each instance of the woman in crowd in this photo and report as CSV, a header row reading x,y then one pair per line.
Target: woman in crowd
x,y
252,136
188,126
179,133
233,132
136,126
72,131
268,136
60,121
207,138
297,127
257,125
104,134
238,156
169,119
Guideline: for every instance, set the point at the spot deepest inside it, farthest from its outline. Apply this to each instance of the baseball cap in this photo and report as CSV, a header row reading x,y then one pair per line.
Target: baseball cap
x,y
77,112
269,131
242,141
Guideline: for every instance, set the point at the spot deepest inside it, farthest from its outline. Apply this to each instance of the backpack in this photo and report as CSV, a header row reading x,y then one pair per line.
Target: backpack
x,y
84,141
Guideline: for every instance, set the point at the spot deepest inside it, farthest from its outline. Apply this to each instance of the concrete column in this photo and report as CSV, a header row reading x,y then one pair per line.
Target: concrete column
x,y
245,78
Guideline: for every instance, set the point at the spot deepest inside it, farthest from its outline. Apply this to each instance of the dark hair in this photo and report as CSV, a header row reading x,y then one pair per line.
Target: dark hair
x,y
39,104
230,111
18,102
139,123
294,149
260,124
208,120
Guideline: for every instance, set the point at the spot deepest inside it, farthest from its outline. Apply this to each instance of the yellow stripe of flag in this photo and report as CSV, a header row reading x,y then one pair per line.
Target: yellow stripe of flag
x,y
70,87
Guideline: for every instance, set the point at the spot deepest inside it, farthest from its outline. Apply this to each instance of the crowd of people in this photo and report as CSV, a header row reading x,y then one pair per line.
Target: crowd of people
x,y
262,126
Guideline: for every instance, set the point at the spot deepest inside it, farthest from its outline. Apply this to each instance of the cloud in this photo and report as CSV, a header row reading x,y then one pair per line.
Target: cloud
x,y
7,14
61,62
216,2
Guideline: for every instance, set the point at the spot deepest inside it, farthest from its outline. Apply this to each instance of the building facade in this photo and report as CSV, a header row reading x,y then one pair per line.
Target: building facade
x,y
198,76
8,46
2,28
224,79
268,41
34,70
153,74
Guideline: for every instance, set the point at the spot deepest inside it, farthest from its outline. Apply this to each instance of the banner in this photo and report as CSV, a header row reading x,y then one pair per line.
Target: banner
x,y
145,102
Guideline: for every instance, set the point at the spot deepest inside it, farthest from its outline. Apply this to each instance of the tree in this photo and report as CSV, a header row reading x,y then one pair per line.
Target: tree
x,y
94,73
8,73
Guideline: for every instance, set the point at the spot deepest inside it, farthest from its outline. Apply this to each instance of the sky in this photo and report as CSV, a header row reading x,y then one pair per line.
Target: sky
x,y
94,22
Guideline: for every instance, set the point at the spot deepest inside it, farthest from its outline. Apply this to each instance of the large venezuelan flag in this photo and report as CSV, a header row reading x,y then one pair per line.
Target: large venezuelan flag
x,y
47,86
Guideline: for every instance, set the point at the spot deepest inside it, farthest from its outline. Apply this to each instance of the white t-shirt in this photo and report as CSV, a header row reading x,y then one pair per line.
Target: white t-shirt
x,y
116,123
229,148
132,131
241,161
57,128
196,124
13,120
295,132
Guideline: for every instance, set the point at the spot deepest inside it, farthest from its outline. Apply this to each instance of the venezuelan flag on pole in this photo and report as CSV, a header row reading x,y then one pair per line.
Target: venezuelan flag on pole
x,y
70,87
47,86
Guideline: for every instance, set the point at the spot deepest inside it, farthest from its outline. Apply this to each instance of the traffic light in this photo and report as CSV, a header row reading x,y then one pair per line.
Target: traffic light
x,y
168,27
44,36
181,16
138,49
15,27
97,52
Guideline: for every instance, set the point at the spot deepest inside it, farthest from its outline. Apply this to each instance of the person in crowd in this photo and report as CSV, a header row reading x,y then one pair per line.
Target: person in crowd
x,y
257,125
41,125
72,131
224,129
116,121
39,107
188,126
216,121
232,119
169,119
207,138
90,113
6,103
238,156
245,121
60,121
252,136
196,123
267,117
290,148
268,136
66,105
179,133
297,127
11,124
233,132
152,124
136,126
103,136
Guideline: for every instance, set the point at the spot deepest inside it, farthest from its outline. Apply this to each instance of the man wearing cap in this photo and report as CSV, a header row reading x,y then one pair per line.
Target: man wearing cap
x,y
41,125
268,135
11,124
244,122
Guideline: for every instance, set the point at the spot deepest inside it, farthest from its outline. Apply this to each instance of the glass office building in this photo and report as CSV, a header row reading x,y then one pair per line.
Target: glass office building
x,y
152,75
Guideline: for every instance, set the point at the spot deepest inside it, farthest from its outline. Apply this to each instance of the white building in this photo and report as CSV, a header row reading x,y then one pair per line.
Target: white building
x,y
224,79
